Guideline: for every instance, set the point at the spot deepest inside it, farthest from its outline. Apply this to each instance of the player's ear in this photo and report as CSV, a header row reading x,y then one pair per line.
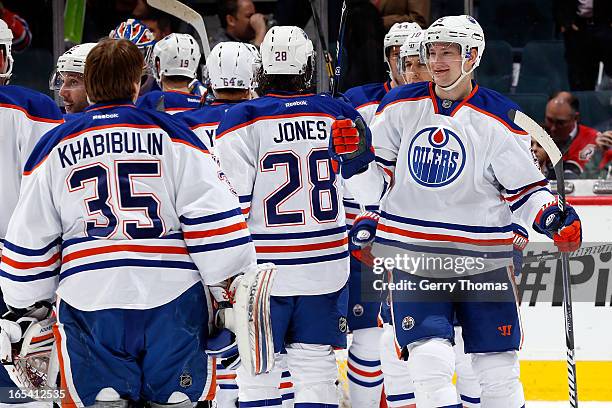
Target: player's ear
x,y
230,20
473,55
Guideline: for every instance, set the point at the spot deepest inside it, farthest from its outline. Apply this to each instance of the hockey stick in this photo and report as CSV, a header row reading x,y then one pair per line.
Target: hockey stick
x,y
539,135
323,41
593,250
190,16
335,83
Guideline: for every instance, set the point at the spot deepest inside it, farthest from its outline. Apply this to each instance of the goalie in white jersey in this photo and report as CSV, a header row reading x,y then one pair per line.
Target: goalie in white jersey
x,y
125,237
274,151
458,169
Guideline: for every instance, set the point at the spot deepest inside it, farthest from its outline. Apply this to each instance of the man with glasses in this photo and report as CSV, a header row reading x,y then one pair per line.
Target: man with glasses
x,y
576,141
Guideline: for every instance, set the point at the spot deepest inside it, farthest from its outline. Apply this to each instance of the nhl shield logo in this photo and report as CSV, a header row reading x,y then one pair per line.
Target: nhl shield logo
x,y
358,310
436,157
407,323
185,380
342,324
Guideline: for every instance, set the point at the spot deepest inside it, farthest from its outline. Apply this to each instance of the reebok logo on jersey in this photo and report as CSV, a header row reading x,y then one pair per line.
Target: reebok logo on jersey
x,y
296,103
106,116
436,156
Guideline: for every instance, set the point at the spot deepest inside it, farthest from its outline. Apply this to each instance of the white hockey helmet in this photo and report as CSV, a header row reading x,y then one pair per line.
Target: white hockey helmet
x,y
72,60
231,65
463,30
397,35
286,50
6,41
176,54
412,44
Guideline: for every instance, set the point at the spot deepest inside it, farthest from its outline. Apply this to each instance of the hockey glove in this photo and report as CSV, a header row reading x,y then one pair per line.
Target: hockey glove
x,y
520,241
362,235
565,229
351,146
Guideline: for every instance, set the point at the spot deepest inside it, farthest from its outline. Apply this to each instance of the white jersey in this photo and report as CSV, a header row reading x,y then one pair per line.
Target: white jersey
x,y
26,116
123,208
457,172
366,98
274,151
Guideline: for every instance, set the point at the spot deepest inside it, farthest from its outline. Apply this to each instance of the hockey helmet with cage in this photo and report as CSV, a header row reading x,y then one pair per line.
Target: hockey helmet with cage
x,y
138,33
72,61
286,50
462,30
397,35
232,65
6,62
176,54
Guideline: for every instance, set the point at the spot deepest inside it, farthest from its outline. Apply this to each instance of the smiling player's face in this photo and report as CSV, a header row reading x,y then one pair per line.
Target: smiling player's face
x,y
444,62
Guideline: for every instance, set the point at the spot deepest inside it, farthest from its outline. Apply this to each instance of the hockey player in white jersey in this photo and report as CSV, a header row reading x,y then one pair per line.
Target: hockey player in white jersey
x,y
365,98
125,237
364,358
26,116
67,79
274,150
450,152
176,59
231,70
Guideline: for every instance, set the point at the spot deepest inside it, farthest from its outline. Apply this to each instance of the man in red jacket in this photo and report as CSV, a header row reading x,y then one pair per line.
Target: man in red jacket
x,y
576,141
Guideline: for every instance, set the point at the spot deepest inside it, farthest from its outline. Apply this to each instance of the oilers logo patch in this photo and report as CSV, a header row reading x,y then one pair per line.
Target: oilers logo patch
x,y
436,157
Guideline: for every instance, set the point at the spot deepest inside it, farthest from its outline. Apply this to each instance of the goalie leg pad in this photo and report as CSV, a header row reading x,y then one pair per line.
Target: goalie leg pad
x,y
250,320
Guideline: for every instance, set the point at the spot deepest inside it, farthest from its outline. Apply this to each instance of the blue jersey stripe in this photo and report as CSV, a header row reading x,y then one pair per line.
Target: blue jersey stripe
x,y
74,241
524,199
299,235
458,227
304,261
118,263
28,251
219,245
446,251
210,218
400,397
385,162
30,278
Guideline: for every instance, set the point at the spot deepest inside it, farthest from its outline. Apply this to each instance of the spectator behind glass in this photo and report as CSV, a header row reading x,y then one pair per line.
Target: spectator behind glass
x,y
239,22
161,24
400,11
22,37
587,32
576,141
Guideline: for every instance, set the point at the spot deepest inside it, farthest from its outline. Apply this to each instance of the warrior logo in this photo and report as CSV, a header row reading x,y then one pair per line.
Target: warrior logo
x,y
437,157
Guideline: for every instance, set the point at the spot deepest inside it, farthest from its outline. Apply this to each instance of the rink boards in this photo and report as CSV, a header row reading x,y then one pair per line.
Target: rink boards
x,y
543,361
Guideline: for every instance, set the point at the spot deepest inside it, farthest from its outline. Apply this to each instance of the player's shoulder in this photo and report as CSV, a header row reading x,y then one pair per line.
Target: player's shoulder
x,y
35,105
405,93
286,106
149,100
587,133
205,115
494,105
367,94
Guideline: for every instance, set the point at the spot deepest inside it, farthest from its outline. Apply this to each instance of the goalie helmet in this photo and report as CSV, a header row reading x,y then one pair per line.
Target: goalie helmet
x,y
231,65
397,35
176,54
72,60
462,30
286,50
138,33
6,41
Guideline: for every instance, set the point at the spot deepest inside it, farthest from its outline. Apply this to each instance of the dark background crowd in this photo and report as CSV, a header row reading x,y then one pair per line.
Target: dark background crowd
x,y
552,57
